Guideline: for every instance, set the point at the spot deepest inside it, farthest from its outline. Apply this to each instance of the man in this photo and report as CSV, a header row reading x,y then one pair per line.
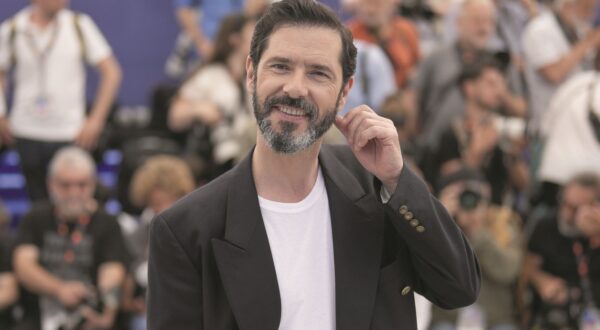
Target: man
x,y
477,139
565,274
435,91
45,46
70,256
377,22
295,237
557,44
495,234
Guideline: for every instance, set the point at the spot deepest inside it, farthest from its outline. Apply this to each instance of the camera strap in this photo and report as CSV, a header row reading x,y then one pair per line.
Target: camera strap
x,y
72,238
583,269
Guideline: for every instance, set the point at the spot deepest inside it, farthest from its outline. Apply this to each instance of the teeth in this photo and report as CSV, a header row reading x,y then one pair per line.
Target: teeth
x,y
292,111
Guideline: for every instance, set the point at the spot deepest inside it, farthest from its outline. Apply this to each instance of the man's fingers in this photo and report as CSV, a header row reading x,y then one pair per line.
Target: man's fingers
x,y
370,133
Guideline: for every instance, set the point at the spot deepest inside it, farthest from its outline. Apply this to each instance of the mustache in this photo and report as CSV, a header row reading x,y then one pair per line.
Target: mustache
x,y
308,107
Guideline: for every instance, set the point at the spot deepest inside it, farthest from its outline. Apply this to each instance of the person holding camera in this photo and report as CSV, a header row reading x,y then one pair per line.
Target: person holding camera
x,y
494,233
482,139
70,256
563,259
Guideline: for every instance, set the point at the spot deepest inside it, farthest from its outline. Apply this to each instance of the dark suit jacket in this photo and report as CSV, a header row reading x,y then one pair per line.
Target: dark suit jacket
x,y
211,266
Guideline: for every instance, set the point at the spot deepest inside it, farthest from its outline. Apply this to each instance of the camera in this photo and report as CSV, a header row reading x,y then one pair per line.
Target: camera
x,y
470,198
510,127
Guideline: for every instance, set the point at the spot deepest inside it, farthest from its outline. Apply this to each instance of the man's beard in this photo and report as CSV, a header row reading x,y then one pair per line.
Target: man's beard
x,y
567,228
286,142
72,208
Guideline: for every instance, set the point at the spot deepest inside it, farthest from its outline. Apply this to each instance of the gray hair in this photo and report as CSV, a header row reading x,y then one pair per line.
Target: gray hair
x,y
72,157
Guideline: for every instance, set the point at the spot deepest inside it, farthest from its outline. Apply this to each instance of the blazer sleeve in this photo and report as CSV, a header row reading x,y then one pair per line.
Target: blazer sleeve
x,y
446,268
175,283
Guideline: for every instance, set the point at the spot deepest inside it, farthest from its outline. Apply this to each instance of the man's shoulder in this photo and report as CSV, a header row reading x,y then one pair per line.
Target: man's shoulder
x,y
545,23
41,209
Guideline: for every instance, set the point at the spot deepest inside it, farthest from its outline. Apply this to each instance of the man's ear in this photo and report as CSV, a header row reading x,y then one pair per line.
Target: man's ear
x,y
344,93
250,74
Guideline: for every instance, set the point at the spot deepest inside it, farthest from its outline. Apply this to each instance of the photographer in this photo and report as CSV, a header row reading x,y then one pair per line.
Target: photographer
x,y
563,259
70,256
482,139
494,233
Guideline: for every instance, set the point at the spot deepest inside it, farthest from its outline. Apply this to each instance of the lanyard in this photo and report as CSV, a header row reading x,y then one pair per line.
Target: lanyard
x,y
41,56
583,269
74,238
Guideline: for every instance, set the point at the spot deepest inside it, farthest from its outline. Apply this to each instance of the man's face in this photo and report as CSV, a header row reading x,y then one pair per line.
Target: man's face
x,y
574,196
51,7
476,24
375,13
488,90
297,86
72,189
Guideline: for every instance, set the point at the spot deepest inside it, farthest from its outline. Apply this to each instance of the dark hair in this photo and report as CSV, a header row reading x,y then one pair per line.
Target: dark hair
x,y
230,25
302,13
483,61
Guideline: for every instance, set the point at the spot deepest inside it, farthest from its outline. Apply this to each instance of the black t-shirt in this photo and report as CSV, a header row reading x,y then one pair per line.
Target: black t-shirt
x,y
5,267
101,241
449,148
559,259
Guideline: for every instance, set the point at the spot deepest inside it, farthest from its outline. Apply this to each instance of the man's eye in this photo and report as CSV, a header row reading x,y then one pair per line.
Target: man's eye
x,y
279,67
319,74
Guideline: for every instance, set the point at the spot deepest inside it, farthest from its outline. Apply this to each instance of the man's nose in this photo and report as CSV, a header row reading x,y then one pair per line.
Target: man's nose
x,y
295,86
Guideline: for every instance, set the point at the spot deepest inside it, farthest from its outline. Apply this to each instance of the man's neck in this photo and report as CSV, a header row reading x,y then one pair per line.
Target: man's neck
x,y
41,18
284,178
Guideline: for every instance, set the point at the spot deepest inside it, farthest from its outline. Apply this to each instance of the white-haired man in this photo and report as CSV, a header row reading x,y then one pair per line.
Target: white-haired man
x,y
70,256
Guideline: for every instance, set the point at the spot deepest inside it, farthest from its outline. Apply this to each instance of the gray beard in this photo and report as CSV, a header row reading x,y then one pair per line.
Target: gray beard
x,y
285,142
567,230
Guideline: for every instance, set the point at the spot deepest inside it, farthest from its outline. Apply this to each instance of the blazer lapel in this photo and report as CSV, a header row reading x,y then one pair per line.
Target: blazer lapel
x,y
357,226
245,261
244,257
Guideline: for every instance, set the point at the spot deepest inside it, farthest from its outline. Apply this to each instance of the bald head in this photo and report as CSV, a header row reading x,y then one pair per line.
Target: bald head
x,y
476,23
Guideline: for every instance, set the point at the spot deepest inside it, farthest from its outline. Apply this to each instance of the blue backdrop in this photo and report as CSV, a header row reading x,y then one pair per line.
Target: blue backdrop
x,y
141,32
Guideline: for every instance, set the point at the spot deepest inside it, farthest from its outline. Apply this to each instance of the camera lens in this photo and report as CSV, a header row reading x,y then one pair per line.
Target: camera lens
x,y
469,199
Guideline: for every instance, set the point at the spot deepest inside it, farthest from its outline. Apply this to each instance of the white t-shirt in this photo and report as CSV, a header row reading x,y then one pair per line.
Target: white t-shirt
x,y
64,111
543,43
301,243
571,148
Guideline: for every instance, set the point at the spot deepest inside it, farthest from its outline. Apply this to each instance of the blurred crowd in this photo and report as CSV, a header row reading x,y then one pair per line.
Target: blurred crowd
x,y
496,104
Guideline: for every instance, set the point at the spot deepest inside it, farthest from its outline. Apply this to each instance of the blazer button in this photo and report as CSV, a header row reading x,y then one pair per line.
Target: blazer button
x,y
403,209
408,215
414,222
405,290
420,229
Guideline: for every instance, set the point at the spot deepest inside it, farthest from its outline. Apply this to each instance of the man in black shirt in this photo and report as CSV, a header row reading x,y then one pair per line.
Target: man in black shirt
x,y
479,140
70,255
563,259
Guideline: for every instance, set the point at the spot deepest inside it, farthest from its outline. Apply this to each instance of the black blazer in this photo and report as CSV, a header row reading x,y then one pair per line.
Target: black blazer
x,y
211,266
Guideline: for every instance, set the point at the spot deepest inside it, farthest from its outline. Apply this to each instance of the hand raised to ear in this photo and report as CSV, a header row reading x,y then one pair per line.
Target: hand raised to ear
x,y
374,141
